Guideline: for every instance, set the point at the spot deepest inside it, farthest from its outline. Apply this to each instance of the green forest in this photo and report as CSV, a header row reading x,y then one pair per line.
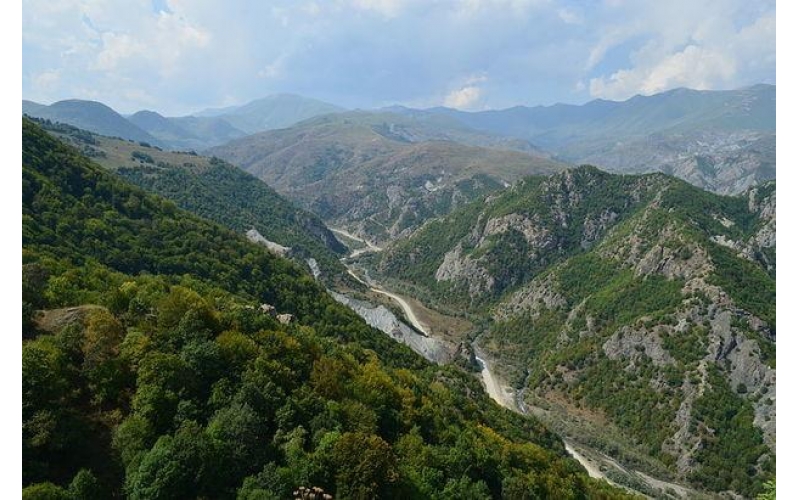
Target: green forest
x,y
151,372
214,190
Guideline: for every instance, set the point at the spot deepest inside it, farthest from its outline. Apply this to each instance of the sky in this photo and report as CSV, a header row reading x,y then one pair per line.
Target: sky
x,y
181,56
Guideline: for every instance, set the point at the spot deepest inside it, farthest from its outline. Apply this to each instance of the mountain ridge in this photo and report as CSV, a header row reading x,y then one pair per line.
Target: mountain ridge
x,y
374,174
186,133
218,191
656,132
92,116
276,111
198,131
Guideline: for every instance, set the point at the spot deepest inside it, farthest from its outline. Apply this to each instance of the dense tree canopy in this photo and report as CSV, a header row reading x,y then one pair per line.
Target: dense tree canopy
x,y
178,386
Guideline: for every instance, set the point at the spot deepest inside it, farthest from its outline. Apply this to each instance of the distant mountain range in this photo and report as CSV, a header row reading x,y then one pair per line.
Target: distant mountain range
x,y
89,115
719,140
195,132
188,132
676,111
272,112
382,175
723,141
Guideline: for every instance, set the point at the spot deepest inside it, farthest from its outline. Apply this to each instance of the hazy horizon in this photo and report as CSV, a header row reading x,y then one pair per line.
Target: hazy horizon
x,y
182,56
214,108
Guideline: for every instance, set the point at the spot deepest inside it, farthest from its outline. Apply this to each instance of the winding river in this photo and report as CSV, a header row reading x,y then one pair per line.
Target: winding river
x,y
499,392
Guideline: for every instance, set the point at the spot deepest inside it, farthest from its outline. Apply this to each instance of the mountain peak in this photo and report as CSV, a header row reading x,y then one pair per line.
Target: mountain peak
x,y
147,113
272,112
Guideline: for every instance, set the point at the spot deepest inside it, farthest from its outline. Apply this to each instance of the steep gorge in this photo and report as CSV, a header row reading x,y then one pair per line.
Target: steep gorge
x,y
642,304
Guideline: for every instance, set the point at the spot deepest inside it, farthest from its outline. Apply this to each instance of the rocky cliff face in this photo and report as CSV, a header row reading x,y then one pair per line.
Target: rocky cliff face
x,y
760,247
723,162
519,233
728,337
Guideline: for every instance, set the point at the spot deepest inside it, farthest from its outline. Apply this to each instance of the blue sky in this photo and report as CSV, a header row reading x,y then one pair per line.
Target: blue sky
x,y
179,56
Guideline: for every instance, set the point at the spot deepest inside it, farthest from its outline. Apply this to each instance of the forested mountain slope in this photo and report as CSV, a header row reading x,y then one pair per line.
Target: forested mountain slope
x,y
216,190
177,384
640,300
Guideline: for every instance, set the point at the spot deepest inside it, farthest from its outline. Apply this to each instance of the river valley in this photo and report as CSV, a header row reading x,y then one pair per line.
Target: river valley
x,y
437,348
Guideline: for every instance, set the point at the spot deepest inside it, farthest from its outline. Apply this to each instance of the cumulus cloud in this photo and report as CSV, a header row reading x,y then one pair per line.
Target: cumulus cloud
x,y
469,94
116,48
694,67
178,56
465,98
688,45
387,8
159,44
102,47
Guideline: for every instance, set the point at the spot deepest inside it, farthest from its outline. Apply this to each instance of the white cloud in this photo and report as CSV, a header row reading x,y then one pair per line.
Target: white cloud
x,y
468,95
108,48
465,98
117,48
387,8
363,53
690,45
694,67
275,69
570,16
158,45
46,81
175,36
476,78
611,37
